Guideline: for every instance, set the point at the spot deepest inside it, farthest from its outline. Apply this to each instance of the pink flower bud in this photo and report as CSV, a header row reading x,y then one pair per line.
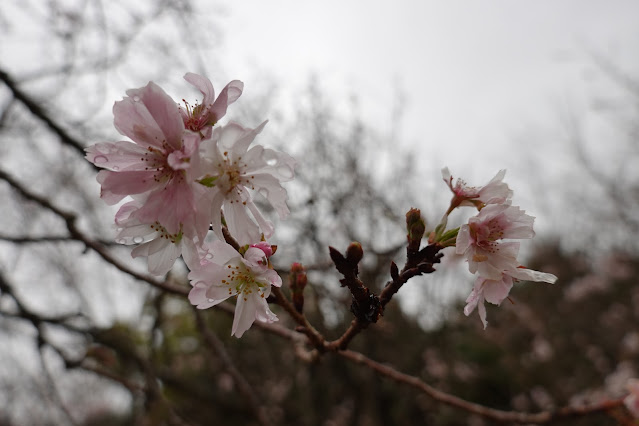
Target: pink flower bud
x,y
265,247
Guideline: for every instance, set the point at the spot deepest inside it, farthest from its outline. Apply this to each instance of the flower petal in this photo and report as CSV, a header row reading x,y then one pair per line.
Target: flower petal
x,y
117,156
203,84
227,96
117,185
164,112
244,315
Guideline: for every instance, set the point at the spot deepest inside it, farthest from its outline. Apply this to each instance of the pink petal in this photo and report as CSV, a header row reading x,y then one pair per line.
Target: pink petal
x,y
172,206
203,84
495,291
117,156
244,315
162,260
263,313
117,185
241,144
243,229
216,213
165,113
228,95
482,312
228,135
218,291
471,302
197,296
133,119
266,226
463,240
530,275
270,188
223,252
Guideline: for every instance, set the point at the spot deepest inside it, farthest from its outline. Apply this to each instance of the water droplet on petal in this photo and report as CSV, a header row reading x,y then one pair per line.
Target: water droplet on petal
x,y
115,168
209,256
263,192
211,300
136,98
270,157
285,172
99,159
120,241
138,240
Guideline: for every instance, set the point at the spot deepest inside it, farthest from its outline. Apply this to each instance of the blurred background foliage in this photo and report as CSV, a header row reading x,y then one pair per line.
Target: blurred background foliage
x,y
83,343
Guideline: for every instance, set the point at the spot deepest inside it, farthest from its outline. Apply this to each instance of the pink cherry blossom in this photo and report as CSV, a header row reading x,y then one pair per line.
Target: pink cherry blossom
x,y
232,170
155,242
632,400
201,117
225,274
495,291
158,164
480,240
494,192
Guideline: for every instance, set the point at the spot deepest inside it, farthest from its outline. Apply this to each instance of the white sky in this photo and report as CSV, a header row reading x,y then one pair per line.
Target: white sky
x,y
472,72
475,75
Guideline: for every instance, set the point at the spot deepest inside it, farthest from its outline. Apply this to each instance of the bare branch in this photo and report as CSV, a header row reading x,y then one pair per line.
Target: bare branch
x,y
216,346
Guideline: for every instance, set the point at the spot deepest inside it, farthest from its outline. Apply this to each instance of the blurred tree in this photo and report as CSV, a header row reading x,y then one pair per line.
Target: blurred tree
x,y
88,338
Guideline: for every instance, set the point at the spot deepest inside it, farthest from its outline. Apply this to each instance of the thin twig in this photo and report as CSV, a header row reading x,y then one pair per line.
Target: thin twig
x,y
471,407
39,112
305,327
216,346
76,234
50,239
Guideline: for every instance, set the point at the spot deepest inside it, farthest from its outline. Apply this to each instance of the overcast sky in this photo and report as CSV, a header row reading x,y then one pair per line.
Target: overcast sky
x,y
472,73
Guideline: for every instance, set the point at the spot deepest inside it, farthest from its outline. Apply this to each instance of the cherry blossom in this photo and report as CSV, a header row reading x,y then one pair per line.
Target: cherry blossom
x,y
225,273
160,162
494,192
231,169
480,239
632,400
155,242
201,117
495,291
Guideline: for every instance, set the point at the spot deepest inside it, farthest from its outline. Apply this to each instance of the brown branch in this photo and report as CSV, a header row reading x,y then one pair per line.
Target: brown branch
x,y
76,234
471,407
131,386
49,239
315,337
216,346
40,113
418,262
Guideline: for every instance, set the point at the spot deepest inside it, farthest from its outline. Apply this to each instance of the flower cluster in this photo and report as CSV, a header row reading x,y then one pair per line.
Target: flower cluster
x,y
184,174
486,241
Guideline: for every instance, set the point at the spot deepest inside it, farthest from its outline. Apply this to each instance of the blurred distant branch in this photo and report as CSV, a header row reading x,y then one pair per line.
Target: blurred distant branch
x,y
542,417
41,113
50,239
616,73
216,347
76,234
620,194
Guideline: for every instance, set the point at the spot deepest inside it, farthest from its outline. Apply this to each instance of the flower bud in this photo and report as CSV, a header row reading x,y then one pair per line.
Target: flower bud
x,y
354,252
297,280
415,227
265,247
